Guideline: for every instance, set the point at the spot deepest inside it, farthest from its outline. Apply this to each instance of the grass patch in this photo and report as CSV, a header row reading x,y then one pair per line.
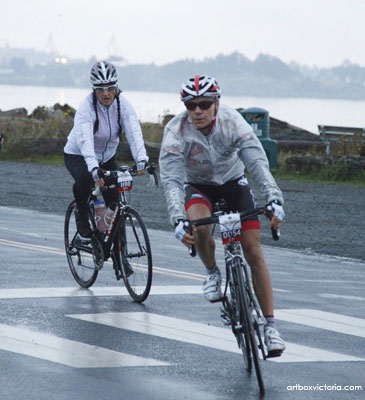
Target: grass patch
x,y
50,159
309,168
297,176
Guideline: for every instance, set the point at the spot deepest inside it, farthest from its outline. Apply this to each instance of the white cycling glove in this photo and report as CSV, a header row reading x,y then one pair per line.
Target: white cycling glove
x,y
97,174
141,165
278,210
179,229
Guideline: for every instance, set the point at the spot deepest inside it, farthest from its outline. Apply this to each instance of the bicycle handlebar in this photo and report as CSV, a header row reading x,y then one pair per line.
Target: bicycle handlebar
x,y
267,209
151,169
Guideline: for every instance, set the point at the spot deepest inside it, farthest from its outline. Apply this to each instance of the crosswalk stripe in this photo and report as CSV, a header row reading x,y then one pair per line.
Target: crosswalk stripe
x,y
324,320
25,293
67,352
201,334
92,292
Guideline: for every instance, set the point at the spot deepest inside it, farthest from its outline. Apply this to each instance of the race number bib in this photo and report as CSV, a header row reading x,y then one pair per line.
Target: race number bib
x,y
230,226
124,181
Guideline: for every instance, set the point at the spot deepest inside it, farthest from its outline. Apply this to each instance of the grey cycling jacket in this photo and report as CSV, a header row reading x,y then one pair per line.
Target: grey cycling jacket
x,y
187,155
100,147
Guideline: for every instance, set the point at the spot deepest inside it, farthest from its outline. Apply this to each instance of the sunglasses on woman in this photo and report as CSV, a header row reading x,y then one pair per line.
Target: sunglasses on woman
x,y
203,105
102,89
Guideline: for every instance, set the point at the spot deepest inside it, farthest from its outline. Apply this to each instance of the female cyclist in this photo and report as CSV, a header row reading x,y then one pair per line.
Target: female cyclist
x,y
94,138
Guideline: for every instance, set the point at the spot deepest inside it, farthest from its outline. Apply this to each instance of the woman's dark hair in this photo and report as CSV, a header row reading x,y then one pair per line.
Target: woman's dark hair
x,y
96,123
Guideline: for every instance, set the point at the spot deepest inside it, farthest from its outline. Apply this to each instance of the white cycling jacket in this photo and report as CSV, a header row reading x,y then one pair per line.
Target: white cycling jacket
x,y
100,147
189,156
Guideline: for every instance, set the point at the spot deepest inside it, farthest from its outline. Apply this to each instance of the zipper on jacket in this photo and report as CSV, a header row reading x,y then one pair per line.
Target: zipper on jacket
x,y
110,135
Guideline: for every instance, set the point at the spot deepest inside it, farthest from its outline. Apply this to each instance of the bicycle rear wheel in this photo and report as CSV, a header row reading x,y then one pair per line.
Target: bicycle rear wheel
x,y
136,255
83,258
245,312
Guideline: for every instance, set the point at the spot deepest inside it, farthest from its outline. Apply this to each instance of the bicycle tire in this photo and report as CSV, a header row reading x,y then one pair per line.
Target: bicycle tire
x,y
135,255
255,306
242,335
79,252
245,309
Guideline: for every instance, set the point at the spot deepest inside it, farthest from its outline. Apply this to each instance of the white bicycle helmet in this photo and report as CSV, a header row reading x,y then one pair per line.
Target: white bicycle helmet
x,y
200,85
103,73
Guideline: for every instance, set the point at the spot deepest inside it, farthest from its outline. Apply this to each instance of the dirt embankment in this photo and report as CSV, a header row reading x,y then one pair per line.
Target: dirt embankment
x,y
323,218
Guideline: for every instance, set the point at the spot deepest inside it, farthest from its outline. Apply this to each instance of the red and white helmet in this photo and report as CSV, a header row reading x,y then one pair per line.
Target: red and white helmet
x,y
103,73
200,85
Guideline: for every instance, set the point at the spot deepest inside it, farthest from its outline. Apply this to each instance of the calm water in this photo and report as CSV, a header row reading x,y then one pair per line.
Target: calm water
x,y
150,106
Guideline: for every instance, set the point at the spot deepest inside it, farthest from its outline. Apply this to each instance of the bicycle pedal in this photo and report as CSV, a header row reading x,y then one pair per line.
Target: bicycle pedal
x,y
274,353
82,241
217,300
225,317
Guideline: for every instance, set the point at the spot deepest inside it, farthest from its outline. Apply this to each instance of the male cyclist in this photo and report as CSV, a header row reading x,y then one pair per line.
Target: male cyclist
x,y
94,138
204,153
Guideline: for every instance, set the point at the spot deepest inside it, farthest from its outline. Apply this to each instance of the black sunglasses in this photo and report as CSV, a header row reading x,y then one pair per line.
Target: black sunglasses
x,y
203,105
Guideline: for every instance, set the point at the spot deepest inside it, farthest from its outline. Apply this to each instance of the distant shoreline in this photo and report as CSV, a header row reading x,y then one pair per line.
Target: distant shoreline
x,y
151,106
227,94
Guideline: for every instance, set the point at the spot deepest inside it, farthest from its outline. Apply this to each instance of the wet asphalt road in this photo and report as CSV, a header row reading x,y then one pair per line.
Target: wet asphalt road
x,y
41,306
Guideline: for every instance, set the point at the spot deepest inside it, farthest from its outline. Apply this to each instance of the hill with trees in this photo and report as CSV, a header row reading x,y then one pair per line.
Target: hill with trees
x,y
266,76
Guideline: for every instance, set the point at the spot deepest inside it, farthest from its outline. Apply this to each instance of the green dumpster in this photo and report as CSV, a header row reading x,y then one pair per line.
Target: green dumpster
x,y
259,119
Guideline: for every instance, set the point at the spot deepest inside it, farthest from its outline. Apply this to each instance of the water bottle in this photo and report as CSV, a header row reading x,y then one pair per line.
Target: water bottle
x,y
99,207
109,215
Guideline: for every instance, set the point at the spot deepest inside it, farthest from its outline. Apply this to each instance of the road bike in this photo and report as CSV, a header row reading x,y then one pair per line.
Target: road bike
x,y
125,241
240,307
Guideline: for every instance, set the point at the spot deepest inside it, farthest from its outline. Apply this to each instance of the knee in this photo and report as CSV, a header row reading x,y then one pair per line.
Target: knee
x,y
202,232
253,252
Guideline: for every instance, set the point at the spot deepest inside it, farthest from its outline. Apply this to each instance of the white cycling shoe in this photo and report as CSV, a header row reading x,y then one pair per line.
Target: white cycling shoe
x,y
274,343
212,287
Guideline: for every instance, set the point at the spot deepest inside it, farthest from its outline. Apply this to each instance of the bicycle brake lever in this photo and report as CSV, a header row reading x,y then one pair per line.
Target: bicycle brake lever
x,y
153,181
192,251
96,191
275,233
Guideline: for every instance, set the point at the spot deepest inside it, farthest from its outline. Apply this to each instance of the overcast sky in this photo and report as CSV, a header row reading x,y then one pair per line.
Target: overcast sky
x,y
310,32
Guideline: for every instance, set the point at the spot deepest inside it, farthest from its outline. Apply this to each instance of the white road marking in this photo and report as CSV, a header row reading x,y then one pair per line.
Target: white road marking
x,y
28,293
158,270
201,334
324,320
92,292
27,246
67,352
339,296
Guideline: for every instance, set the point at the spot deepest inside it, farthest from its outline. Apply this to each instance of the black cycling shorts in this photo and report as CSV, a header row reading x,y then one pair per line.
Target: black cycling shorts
x,y
237,195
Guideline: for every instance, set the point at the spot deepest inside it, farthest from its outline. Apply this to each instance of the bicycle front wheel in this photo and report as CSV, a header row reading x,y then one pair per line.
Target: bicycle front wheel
x,y
241,331
246,319
136,255
80,253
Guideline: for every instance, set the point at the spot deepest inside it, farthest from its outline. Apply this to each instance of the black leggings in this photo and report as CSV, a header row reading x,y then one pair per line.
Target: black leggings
x,y
77,167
